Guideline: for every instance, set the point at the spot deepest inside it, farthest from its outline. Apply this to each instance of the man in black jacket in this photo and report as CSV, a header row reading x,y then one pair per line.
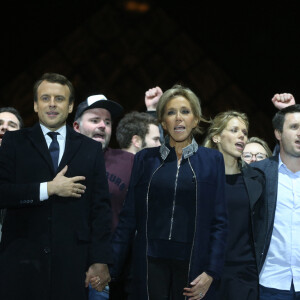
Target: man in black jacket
x,y
56,233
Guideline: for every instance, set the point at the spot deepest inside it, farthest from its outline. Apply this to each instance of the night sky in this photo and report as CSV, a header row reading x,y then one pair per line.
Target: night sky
x,y
257,45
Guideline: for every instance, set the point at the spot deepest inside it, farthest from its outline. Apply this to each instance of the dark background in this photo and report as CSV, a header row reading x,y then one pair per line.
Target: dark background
x,y
233,56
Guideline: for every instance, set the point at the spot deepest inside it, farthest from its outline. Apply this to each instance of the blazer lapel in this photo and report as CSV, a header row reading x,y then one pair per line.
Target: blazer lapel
x,y
35,135
73,141
254,187
272,185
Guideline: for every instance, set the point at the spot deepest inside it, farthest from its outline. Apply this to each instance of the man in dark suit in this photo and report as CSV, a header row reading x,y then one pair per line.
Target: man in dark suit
x,y
280,259
56,233
10,120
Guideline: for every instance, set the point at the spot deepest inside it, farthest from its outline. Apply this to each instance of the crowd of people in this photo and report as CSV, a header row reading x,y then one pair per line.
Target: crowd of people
x,y
161,217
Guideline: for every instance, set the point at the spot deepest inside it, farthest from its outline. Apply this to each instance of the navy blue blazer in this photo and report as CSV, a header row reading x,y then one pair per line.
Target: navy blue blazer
x,y
210,222
47,246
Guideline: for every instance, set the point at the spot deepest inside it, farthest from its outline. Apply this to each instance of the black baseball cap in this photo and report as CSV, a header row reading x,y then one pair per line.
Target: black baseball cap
x,y
99,101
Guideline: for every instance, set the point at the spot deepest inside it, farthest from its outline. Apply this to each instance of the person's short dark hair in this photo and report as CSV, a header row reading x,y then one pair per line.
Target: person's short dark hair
x,y
279,118
54,78
15,112
133,123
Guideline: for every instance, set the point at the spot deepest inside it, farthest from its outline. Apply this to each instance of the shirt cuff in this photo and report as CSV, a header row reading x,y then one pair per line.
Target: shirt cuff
x,y
43,191
214,275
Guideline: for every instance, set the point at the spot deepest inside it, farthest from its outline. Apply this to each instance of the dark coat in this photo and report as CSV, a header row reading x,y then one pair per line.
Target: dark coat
x,y
255,182
47,246
210,223
269,167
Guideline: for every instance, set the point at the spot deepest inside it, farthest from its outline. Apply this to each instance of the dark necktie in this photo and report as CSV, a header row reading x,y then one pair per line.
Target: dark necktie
x,y
54,149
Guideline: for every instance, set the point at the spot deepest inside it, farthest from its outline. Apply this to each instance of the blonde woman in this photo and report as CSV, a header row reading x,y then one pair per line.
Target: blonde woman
x,y
175,210
228,133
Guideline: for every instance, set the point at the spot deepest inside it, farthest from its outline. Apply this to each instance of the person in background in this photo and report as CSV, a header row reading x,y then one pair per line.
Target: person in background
x,y
280,101
228,133
136,131
280,259
256,149
175,210
152,96
94,118
10,120
56,233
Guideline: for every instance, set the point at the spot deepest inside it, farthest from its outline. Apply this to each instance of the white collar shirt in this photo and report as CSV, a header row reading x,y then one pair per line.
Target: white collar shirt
x,y
61,138
282,264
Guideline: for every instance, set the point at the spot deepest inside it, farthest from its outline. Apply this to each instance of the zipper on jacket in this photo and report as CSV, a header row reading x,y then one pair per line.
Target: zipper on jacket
x,y
147,199
174,200
194,174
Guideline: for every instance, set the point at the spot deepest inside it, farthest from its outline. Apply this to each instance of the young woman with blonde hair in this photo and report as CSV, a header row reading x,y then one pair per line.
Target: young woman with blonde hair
x,y
228,133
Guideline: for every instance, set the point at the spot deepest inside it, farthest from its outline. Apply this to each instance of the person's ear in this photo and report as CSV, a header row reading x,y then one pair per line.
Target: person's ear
x,y
277,134
71,105
76,126
136,141
35,106
216,139
196,122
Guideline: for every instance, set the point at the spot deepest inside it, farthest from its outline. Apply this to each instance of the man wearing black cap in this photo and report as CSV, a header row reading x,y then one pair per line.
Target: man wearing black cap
x,y
94,118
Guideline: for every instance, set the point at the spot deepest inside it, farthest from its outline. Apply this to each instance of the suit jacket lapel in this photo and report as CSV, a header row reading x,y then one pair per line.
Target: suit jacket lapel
x,y
73,141
36,136
272,186
254,187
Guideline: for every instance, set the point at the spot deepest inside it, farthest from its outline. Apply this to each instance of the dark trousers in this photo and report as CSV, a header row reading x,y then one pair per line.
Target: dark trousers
x,y
275,294
167,278
117,290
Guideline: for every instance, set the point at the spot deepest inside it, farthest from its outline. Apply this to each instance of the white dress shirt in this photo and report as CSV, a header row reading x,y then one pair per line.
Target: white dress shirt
x,y
282,264
61,138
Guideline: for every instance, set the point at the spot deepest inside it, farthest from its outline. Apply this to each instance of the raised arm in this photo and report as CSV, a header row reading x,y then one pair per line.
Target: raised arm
x,y
283,100
151,97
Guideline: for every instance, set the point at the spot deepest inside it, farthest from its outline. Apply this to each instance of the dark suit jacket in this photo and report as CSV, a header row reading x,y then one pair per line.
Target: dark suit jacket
x,y
255,182
269,167
47,246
